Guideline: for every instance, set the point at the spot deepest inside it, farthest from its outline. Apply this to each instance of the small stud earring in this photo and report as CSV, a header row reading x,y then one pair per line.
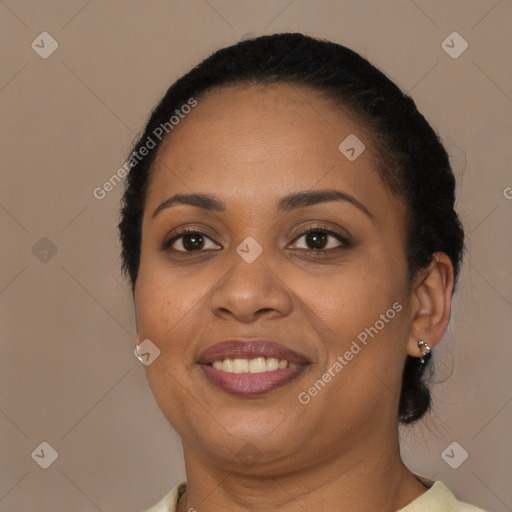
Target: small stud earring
x,y
425,349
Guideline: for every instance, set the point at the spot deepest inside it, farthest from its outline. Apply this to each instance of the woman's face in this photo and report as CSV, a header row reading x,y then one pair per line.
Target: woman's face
x,y
345,311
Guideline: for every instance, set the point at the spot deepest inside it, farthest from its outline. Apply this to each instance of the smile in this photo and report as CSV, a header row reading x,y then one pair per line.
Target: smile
x,y
251,367
256,365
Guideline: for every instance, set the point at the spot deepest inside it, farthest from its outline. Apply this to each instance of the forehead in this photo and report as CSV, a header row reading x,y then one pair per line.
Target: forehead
x,y
259,142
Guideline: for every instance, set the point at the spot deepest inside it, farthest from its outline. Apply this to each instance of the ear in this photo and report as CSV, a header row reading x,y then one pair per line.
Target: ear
x,y
431,299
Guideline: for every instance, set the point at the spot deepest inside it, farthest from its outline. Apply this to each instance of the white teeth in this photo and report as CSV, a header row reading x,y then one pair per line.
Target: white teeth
x,y
256,365
272,364
240,366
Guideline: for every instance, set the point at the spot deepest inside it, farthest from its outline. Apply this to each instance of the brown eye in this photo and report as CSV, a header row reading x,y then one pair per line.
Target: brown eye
x,y
321,239
316,239
190,241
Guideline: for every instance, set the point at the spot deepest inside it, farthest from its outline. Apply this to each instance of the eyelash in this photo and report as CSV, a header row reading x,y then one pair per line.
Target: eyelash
x,y
313,229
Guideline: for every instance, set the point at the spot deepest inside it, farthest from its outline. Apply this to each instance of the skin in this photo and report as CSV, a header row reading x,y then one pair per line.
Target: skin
x,y
249,146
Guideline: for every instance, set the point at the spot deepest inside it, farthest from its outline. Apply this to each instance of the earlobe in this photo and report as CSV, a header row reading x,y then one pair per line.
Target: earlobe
x,y
431,304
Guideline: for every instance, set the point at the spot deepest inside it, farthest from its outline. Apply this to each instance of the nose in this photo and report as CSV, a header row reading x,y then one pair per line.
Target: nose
x,y
250,291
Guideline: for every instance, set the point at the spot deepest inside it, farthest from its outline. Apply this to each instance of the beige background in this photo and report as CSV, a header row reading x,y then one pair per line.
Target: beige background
x,y
68,376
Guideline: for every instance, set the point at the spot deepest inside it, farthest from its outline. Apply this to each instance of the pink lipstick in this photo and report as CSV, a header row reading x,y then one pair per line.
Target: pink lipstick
x,y
251,366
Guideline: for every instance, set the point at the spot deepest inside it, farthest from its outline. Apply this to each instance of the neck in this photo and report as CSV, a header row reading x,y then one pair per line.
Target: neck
x,y
363,479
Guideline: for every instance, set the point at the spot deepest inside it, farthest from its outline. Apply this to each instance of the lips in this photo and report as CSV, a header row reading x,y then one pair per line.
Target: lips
x,y
252,379
250,348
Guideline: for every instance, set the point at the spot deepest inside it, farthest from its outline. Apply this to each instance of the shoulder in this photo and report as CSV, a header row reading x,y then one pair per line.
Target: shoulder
x,y
438,498
169,501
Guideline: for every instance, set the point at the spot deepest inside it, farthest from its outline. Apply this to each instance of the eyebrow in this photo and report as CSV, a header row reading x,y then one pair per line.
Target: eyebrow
x,y
293,201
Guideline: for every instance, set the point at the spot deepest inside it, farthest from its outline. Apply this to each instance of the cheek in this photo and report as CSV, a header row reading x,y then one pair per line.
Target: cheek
x,y
365,350
360,313
352,296
166,305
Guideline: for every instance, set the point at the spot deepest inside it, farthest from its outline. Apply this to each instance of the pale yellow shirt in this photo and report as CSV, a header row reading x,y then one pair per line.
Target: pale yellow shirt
x,y
438,498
